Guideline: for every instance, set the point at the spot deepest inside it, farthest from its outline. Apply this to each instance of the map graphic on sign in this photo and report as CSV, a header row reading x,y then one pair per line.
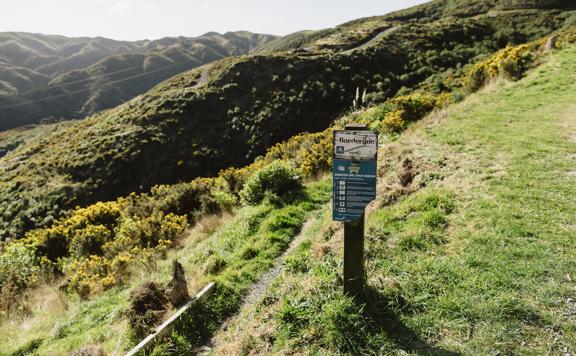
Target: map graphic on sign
x,y
355,145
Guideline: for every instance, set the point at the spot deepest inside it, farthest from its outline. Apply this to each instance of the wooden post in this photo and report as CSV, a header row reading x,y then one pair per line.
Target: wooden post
x,y
354,257
354,246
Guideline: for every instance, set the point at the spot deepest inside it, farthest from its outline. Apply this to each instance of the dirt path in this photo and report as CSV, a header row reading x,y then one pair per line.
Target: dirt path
x,y
372,41
258,290
203,80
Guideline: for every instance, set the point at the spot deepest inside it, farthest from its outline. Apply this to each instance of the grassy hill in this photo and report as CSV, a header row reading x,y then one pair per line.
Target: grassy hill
x,y
229,112
469,245
475,257
53,77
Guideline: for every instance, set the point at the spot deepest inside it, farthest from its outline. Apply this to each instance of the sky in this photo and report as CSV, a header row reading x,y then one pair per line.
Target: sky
x,y
153,19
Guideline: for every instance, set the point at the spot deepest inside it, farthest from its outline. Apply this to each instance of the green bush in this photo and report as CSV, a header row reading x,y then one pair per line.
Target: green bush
x,y
276,180
18,266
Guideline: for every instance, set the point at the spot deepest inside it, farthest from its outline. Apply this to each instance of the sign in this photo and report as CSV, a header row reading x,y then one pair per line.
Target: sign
x,y
354,173
355,145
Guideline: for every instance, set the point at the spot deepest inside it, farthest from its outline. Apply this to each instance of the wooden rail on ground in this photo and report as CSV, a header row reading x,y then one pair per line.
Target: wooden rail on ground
x,y
167,327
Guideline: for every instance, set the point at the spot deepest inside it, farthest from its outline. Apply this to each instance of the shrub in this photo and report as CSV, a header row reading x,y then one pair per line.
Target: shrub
x,y
86,274
81,233
225,200
476,78
568,37
157,230
310,152
191,199
444,99
277,179
95,245
393,122
318,158
89,241
414,107
235,178
18,267
511,62
397,113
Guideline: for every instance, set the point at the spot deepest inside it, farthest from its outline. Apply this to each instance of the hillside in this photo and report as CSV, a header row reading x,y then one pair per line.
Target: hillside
x,y
54,78
469,245
227,113
475,255
358,32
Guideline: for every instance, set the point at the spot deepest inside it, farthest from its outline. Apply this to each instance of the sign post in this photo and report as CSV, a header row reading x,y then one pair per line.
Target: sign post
x,y
354,187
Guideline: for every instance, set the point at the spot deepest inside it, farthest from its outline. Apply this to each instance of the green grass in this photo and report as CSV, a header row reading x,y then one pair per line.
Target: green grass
x,y
57,330
478,262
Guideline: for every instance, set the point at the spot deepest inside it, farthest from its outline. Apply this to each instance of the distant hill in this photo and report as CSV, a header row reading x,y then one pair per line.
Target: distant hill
x,y
53,77
350,34
228,112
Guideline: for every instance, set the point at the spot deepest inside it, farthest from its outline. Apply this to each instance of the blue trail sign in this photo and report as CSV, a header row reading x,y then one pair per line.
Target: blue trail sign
x,y
354,173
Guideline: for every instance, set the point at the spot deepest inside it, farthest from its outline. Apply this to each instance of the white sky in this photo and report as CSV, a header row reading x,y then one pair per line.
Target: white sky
x,y
153,19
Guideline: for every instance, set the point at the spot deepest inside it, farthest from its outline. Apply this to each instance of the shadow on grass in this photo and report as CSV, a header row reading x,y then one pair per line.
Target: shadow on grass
x,y
384,320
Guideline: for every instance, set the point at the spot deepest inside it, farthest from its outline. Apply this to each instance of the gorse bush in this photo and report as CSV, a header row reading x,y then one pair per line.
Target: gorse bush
x,y
317,158
81,234
277,179
232,180
89,241
310,152
511,62
568,36
157,230
393,122
395,114
133,239
414,107
192,199
93,246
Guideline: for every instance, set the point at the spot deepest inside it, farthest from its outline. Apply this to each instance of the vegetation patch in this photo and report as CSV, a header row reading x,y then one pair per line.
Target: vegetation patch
x,y
274,181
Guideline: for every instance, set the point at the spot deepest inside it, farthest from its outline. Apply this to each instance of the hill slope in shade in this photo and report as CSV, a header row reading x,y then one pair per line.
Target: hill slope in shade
x,y
54,77
229,112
